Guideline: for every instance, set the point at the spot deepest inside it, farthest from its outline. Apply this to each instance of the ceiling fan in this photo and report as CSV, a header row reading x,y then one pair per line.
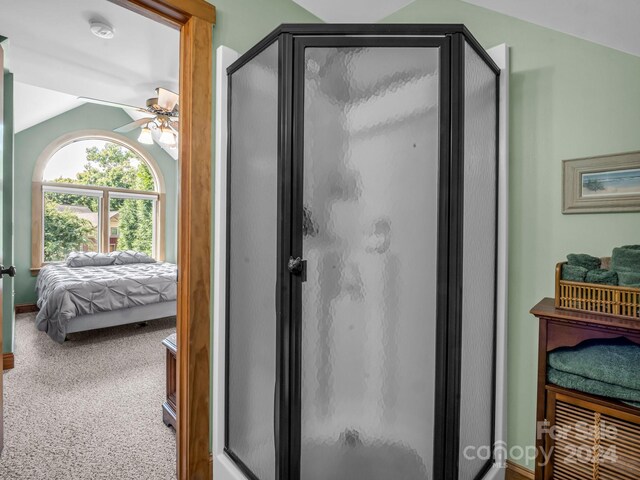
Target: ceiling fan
x,y
161,113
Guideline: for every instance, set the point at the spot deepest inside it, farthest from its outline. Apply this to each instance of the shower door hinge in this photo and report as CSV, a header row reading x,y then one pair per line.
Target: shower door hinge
x,y
298,267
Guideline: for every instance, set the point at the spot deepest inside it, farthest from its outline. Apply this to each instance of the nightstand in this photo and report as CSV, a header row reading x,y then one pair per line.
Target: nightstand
x,y
169,407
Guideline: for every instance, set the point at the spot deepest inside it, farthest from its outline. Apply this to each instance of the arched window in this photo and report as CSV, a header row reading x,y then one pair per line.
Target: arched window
x,y
96,191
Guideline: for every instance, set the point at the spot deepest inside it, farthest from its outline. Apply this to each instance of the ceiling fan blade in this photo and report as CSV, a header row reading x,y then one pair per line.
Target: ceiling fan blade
x,y
167,99
132,126
113,104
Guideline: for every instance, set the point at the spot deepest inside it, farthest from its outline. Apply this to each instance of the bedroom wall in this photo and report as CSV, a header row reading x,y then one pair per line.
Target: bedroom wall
x,y
569,98
31,142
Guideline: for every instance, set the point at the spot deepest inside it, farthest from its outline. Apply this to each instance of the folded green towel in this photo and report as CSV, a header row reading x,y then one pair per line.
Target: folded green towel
x,y
625,260
631,247
594,387
629,279
574,273
583,260
602,277
610,361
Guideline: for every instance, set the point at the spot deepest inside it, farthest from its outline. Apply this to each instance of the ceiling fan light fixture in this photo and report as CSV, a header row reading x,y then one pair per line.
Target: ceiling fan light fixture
x,y
167,137
145,136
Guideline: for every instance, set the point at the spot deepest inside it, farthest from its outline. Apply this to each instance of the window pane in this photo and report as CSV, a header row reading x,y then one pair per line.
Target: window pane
x,y
131,225
96,162
70,224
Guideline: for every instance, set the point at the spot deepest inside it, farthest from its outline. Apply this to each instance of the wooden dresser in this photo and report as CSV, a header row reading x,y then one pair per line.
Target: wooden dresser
x,y
583,436
169,407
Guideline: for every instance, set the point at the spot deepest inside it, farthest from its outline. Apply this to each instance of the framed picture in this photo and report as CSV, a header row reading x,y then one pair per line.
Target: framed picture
x,y
602,184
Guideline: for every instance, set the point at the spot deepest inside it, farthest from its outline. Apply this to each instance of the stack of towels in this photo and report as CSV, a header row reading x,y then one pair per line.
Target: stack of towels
x,y
624,269
604,367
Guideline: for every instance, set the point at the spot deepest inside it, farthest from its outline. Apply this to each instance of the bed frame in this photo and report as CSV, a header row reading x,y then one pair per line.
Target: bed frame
x,y
142,313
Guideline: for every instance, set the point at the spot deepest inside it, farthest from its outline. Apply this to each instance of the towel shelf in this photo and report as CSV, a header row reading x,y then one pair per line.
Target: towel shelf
x,y
570,424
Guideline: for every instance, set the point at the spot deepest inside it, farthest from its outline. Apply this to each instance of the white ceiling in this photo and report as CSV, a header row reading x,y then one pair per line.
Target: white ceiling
x,y
51,47
356,11
612,23
38,104
55,57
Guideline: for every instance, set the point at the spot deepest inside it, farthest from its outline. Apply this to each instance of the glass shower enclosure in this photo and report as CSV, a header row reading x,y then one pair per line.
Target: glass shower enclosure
x,y
361,254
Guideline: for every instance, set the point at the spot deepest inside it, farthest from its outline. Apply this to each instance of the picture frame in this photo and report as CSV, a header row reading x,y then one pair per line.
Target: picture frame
x,y
603,184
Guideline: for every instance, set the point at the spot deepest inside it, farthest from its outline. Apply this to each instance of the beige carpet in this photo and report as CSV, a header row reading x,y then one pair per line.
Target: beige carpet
x,y
89,409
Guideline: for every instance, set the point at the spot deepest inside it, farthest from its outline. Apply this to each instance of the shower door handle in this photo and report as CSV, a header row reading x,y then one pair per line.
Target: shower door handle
x,y
297,266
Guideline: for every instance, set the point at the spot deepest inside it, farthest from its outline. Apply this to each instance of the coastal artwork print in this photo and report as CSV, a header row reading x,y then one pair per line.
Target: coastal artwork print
x,y
613,182
604,184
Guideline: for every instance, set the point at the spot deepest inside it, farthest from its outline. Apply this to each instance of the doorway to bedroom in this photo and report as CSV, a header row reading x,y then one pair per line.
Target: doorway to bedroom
x,y
96,120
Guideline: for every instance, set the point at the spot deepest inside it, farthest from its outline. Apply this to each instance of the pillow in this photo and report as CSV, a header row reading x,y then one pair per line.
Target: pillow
x,y
88,259
130,256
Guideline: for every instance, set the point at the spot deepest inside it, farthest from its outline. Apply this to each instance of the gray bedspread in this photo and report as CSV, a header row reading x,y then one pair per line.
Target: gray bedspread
x,y
65,293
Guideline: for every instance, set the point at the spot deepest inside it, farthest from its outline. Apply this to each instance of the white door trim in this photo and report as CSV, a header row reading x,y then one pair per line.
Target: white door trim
x,y
500,55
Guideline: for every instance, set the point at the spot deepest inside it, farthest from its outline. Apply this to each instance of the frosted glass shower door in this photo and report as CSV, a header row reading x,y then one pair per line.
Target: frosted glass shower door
x,y
251,265
371,161
479,272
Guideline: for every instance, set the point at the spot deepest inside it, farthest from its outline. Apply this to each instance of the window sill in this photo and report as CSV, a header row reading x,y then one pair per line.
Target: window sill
x,y
35,270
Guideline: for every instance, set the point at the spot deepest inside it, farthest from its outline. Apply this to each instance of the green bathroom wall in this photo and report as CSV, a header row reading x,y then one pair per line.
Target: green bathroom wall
x,y
569,98
30,143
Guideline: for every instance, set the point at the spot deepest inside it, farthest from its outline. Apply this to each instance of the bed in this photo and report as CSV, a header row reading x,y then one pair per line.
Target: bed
x,y
75,299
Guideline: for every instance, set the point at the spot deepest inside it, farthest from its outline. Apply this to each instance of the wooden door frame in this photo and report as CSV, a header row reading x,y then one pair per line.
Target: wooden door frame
x,y
195,20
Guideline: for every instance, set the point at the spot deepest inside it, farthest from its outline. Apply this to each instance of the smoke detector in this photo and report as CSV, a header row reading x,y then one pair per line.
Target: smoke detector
x,y
101,29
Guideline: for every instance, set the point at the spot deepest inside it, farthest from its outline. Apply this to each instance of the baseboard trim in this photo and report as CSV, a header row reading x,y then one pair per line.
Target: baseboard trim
x,y
26,308
8,361
518,472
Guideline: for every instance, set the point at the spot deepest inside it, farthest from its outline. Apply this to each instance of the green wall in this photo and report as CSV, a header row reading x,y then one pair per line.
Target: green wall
x,y
569,98
30,143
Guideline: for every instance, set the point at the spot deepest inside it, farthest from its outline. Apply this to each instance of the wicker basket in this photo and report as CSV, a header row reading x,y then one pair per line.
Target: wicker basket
x,y
590,297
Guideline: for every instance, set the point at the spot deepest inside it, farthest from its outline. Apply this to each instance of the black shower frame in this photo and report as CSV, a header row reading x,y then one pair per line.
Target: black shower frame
x,y
292,40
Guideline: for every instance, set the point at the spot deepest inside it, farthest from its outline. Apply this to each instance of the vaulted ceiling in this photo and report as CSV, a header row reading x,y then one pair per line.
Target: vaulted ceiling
x,y
355,11
612,23
55,57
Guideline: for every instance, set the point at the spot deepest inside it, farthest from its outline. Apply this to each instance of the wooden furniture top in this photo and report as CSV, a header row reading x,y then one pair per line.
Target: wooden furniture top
x,y
171,343
546,308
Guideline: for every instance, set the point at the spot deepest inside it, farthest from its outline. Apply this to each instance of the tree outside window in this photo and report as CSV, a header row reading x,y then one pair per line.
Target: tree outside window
x,y
71,221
